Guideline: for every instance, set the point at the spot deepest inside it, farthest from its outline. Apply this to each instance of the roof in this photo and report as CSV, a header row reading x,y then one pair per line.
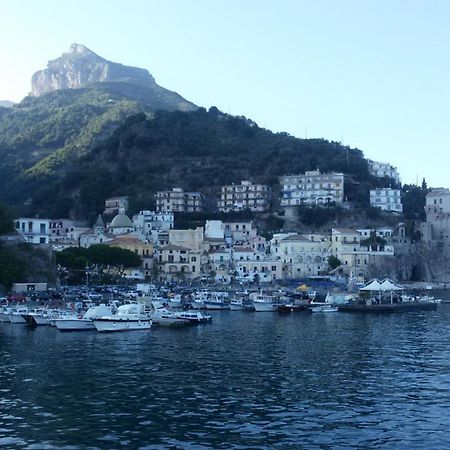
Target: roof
x,y
296,237
99,222
121,221
127,239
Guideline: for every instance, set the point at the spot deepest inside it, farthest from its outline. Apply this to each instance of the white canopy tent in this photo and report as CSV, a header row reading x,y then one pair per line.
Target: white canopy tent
x,y
372,285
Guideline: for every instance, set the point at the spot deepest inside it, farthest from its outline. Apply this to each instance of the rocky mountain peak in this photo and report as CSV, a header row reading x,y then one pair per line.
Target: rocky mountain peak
x,y
80,67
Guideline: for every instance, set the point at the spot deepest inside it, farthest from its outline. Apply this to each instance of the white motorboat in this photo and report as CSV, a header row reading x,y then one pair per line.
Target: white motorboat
x,y
324,309
263,302
195,317
17,315
127,318
82,322
5,311
163,316
175,301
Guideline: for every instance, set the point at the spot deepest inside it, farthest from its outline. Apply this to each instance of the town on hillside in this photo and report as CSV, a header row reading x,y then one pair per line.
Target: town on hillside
x,y
228,251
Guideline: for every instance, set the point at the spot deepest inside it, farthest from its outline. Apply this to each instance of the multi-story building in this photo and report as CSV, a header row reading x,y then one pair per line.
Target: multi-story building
x,y
34,231
386,199
191,239
174,262
312,188
436,229
381,170
177,200
151,224
304,255
239,232
236,197
116,205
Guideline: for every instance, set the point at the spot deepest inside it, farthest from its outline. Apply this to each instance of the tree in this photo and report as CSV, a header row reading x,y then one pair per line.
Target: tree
x,y
334,262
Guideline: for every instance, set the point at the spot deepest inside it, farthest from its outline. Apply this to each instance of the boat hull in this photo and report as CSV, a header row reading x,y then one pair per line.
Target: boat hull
x,y
110,325
216,306
17,318
74,324
264,307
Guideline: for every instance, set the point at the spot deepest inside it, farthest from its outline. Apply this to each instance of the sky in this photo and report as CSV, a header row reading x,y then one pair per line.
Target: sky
x,y
372,74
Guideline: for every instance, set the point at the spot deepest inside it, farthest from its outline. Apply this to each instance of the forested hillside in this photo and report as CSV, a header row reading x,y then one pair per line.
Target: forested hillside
x,y
199,150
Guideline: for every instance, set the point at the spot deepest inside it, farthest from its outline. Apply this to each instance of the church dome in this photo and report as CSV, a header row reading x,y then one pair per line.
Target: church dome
x,y
121,221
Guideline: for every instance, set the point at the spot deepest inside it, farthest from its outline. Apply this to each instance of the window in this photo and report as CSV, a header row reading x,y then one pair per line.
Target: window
x,y
193,258
42,240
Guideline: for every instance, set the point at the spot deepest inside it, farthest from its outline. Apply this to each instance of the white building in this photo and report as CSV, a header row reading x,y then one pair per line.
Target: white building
x,y
236,197
312,188
34,231
386,199
177,200
381,170
151,223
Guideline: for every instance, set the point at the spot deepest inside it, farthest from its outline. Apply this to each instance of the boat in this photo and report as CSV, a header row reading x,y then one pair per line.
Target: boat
x,y
324,309
16,315
82,322
163,316
128,317
5,311
195,317
237,304
175,301
263,302
216,304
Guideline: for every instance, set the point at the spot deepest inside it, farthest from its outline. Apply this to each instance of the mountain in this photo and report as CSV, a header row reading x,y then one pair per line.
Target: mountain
x,y
6,103
78,100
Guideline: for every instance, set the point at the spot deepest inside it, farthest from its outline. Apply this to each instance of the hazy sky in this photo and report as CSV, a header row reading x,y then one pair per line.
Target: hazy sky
x,y
373,74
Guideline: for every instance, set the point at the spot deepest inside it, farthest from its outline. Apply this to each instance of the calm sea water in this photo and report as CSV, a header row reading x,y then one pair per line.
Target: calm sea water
x,y
248,380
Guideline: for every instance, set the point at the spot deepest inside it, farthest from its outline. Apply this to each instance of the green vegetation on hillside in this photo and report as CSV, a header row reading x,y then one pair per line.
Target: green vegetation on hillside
x,y
198,151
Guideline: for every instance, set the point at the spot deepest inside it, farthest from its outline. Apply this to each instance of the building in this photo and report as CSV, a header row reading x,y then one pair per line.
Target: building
x,y
386,199
303,255
150,224
34,231
238,233
95,235
191,239
436,229
177,200
116,205
382,170
312,188
142,248
176,263
121,224
236,197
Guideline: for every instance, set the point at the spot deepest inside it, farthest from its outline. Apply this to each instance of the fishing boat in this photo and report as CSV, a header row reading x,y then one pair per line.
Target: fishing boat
x,y
17,315
195,317
264,302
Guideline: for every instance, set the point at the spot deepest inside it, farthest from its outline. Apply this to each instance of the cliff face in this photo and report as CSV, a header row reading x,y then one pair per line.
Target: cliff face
x,y
81,67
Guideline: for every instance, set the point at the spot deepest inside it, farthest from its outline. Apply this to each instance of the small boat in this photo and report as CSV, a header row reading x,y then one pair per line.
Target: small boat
x,y
216,304
163,316
264,302
5,311
237,304
324,309
195,317
175,301
127,318
82,322
17,315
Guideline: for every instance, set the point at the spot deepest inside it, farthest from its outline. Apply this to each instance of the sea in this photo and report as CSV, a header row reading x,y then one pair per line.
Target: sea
x,y
245,381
